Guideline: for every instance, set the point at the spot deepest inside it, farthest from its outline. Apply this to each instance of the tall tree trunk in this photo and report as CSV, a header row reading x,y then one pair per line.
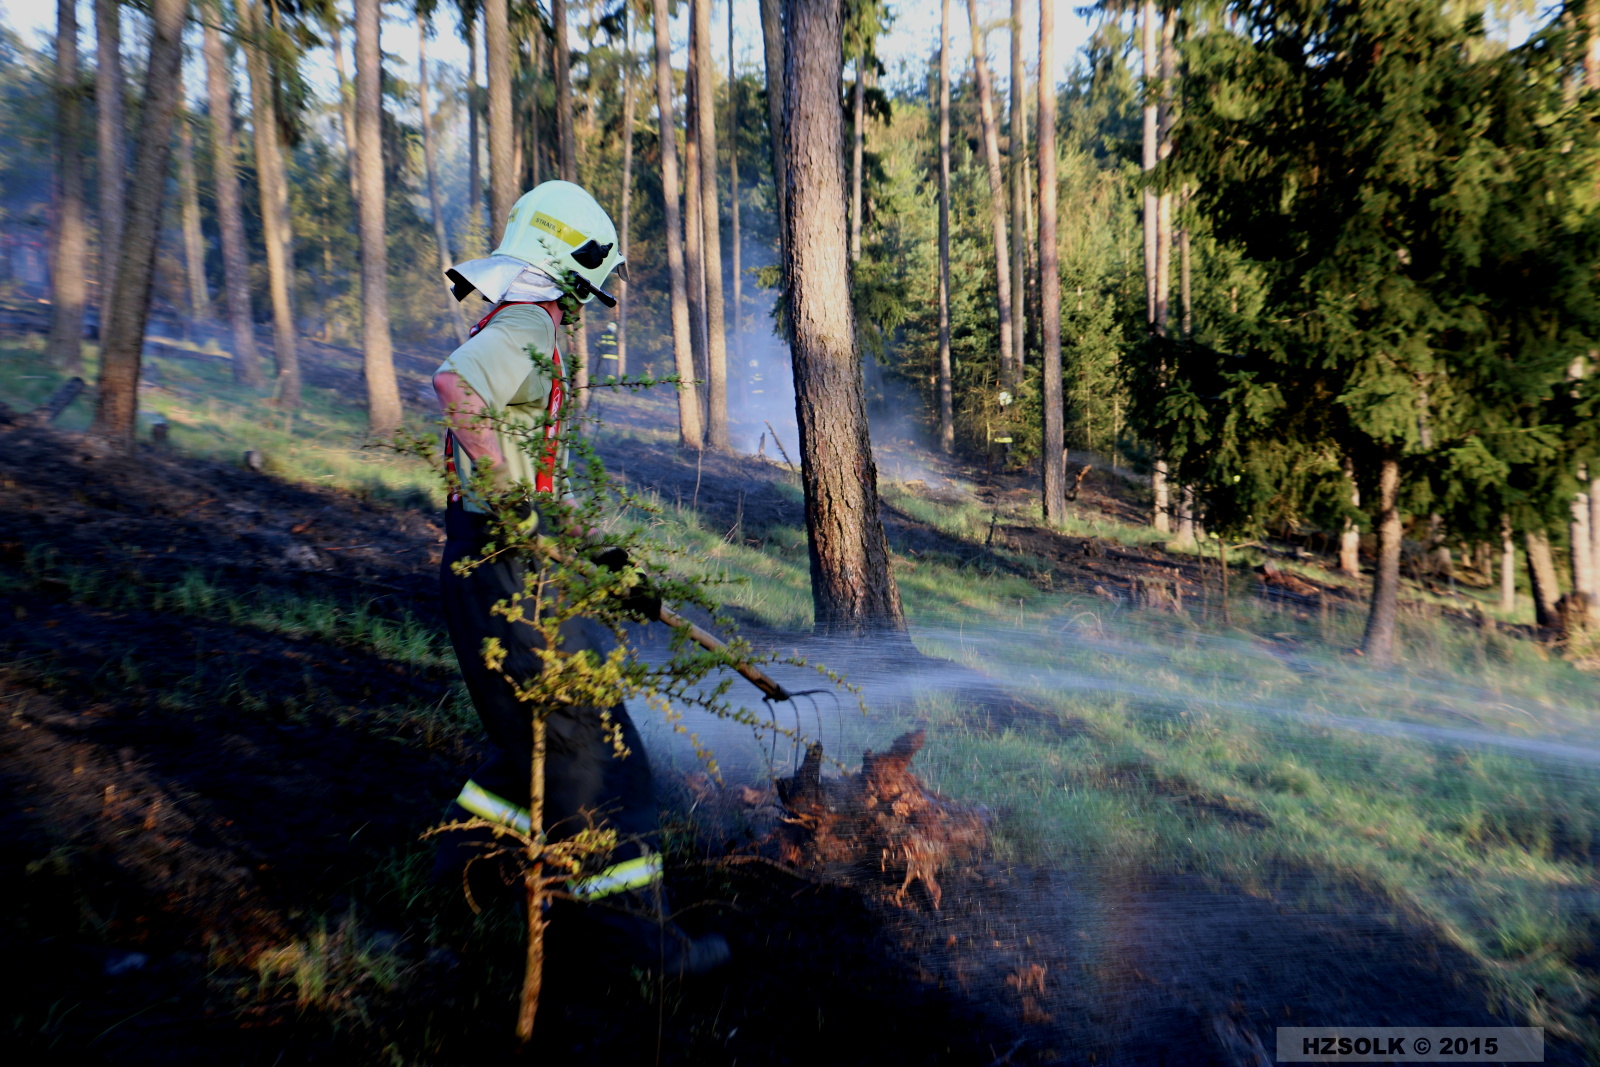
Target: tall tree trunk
x,y
852,587
1151,60
502,174
383,395
276,227
736,273
689,432
1583,569
194,246
1542,578
567,145
1055,503
858,138
997,195
1350,537
441,236
1594,528
947,423
347,112
772,49
67,248
474,103
1508,567
710,217
1378,643
230,209
110,122
627,200
1019,194
122,329
693,204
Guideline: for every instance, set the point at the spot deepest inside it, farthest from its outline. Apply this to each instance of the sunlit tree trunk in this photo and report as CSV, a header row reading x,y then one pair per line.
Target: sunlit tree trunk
x,y
122,327
710,218
626,199
110,124
852,588
68,242
736,272
276,226
1508,567
772,49
858,138
383,395
997,195
947,424
230,208
1542,578
1350,538
347,110
502,173
441,236
1019,194
1378,643
567,148
690,434
693,205
474,103
194,247
1055,504
1151,59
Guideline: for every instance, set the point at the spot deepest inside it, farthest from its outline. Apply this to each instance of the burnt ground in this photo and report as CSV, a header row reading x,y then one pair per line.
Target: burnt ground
x,y
189,793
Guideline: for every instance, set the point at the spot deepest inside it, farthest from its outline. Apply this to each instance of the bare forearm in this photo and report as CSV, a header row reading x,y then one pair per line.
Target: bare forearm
x,y
462,409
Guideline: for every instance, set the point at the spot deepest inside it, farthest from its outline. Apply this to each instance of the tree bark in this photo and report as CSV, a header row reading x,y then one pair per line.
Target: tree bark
x,y
441,236
122,330
1594,528
68,247
347,119
710,217
626,198
772,48
997,196
1583,572
1055,504
1151,60
1378,643
502,175
693,204
736,271
194,245
1019,193
474,173
567,161
858,104
1350,537
852,588
110,122
947,424
383,394
1542,578
230,210
1508,568
689,431
277,232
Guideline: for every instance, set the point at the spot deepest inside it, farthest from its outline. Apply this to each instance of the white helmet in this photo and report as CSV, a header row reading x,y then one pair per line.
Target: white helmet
x,y
561,229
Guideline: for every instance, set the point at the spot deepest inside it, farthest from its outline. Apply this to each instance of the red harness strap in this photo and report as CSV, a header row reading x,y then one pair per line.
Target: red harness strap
x,y
544,480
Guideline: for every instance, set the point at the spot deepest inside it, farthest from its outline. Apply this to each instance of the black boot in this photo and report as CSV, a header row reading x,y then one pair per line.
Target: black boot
x,y
630,930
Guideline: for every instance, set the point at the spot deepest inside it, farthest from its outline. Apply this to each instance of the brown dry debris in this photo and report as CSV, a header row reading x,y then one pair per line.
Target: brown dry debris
x,y
882,817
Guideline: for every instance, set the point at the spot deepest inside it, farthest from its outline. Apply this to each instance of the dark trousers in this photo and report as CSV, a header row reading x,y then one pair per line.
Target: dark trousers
x,y
584,777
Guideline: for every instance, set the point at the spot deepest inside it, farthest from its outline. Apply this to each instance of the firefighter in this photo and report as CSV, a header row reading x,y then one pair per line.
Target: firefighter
x,y
558,241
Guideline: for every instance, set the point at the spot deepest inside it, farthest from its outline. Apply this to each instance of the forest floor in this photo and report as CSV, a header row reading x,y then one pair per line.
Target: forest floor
x,y
229,711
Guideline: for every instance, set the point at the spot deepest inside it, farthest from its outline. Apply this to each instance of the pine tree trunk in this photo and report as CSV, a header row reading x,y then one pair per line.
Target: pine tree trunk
x,y
710,217
383,394
947,424
736,273
194,245
122,329
563,71
626,199
689,432
858,106
1508,568
347,113
1542,578
441,236
474,103
277,232
1019,193
230,209
1583,571
1350,537
502,175
997,196
1154,294
694,226
110,124
772,49
1378,643
1594,529
851,585
1055,503
67,247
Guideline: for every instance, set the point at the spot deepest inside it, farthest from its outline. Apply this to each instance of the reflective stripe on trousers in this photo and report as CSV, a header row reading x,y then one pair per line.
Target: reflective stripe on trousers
x,y
637,873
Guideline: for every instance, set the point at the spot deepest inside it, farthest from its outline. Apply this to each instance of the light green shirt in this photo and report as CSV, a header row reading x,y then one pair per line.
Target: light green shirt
x,y
496,366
